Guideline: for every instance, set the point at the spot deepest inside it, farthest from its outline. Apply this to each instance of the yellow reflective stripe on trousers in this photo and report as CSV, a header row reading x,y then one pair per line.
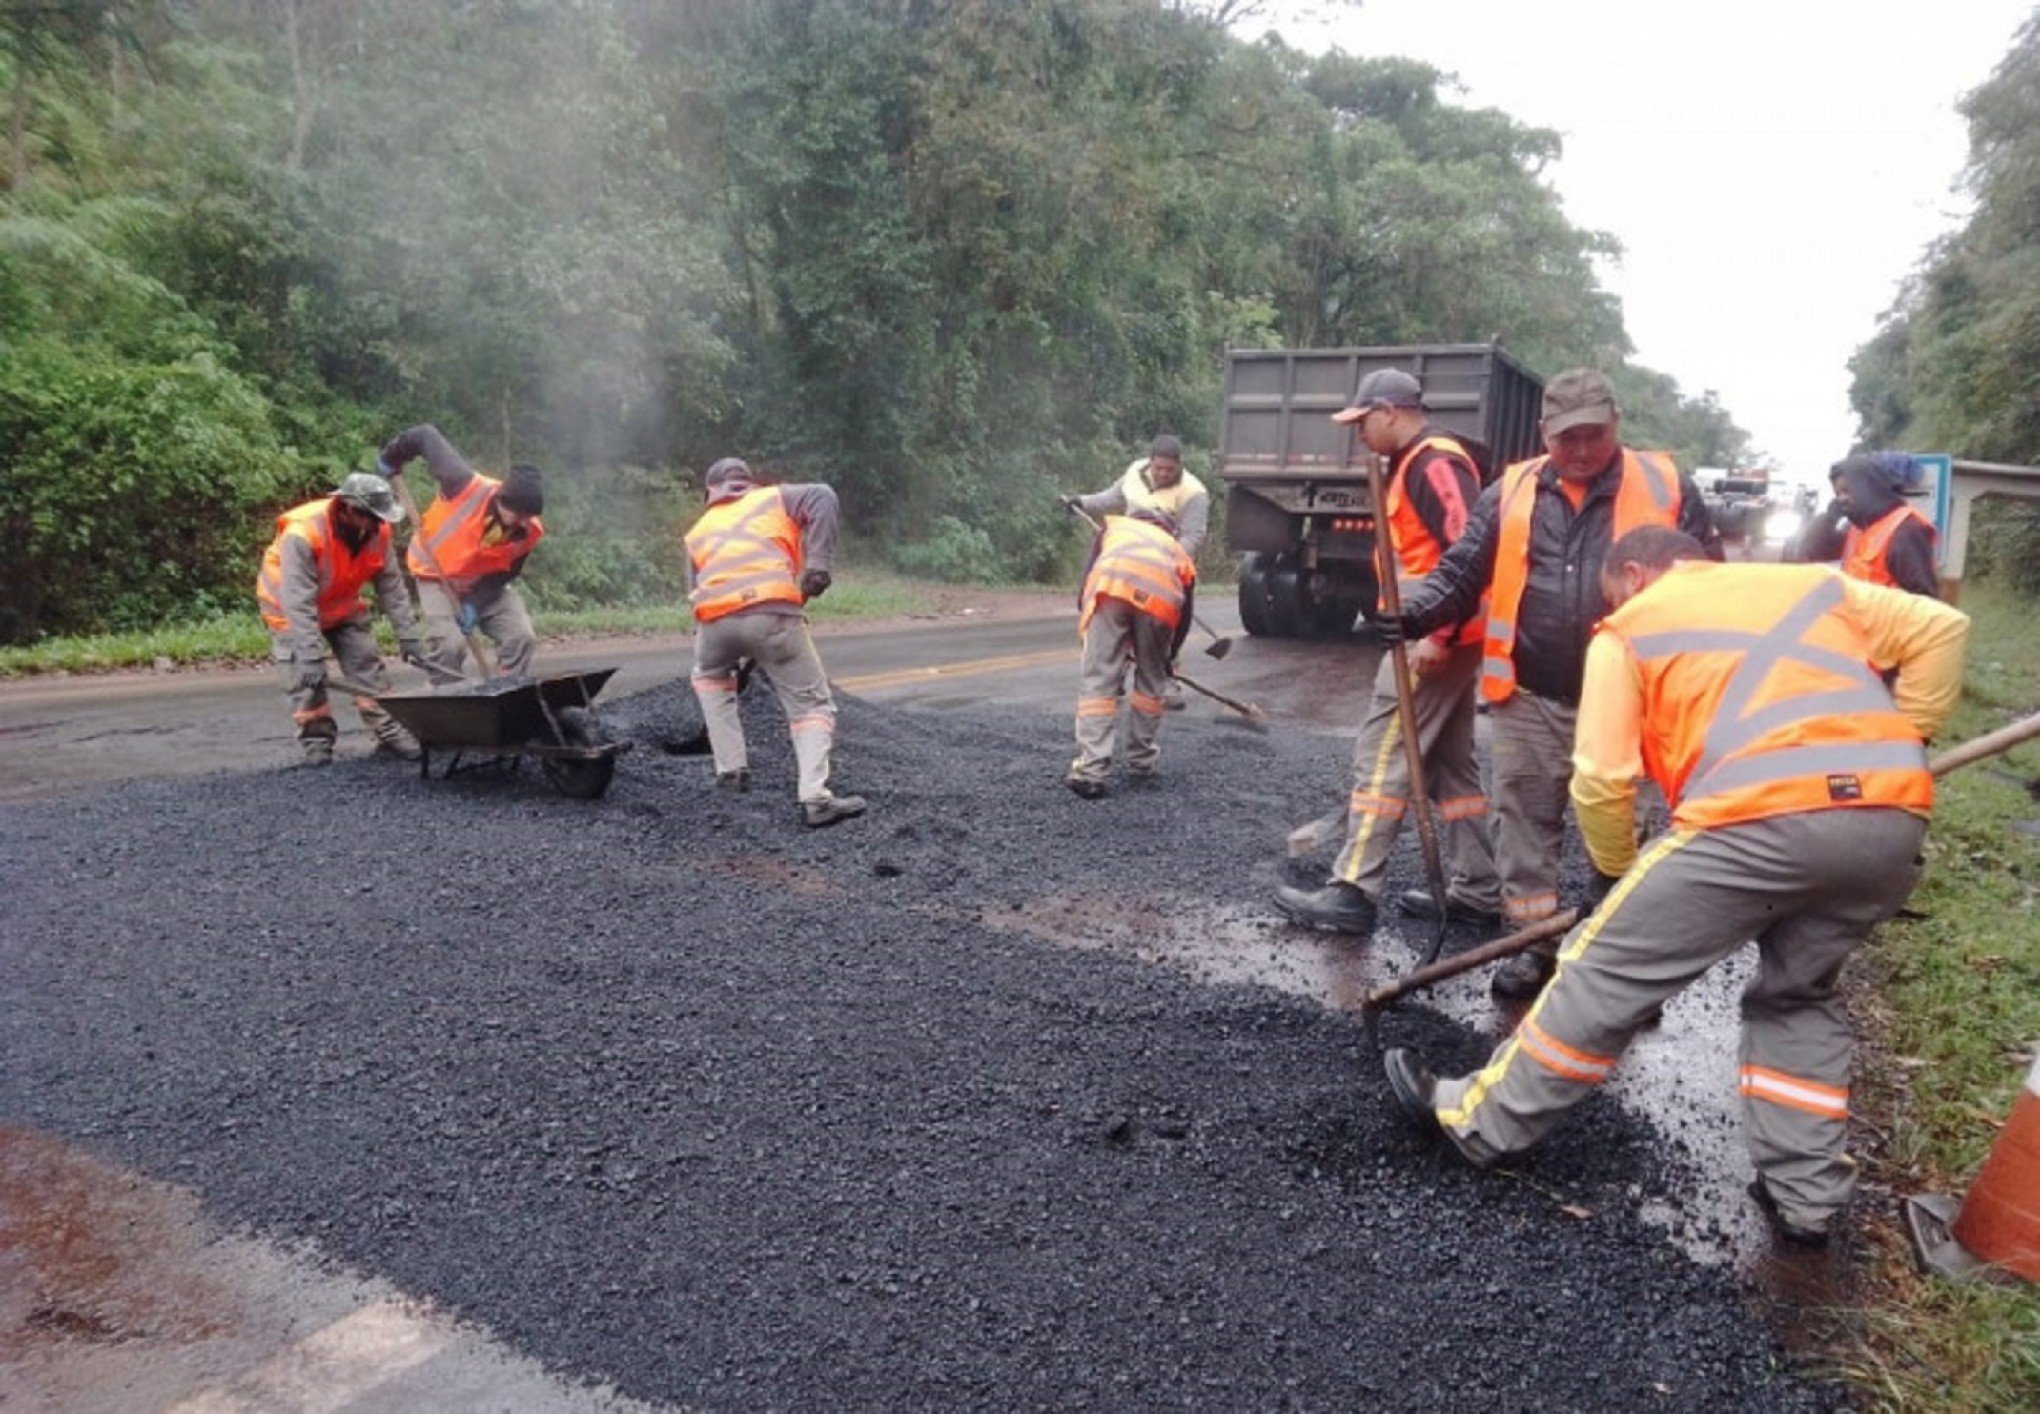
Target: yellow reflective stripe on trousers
x,y
1461,1115
1348,862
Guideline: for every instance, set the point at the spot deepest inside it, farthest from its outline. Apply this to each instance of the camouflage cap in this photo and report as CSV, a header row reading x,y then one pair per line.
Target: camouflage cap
x,y
372,494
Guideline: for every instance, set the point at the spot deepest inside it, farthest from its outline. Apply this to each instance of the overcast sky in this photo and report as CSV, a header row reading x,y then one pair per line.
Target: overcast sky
x,y
1773,170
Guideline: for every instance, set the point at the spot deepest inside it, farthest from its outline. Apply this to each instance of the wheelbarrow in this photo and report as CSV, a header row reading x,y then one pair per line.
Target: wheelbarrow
x,y
550,718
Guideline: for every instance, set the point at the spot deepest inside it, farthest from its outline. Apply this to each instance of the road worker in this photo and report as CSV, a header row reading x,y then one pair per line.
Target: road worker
x,y
755,557
479,532
1800,795
1159,480
309,591
1156,480
1872,529
1432,486
1136,607
1534,545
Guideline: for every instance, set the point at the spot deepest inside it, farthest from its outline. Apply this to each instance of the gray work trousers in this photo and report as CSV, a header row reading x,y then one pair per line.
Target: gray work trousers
x,y
1119,636
1443,704
505,623
353,644
1531,739
1808,888
779,645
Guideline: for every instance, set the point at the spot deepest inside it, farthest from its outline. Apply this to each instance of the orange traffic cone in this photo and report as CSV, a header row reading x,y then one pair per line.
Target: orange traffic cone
x,y
1998,1223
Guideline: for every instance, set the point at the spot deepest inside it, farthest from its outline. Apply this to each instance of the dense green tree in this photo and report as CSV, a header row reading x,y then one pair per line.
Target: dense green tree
x,y
1955,364
949,254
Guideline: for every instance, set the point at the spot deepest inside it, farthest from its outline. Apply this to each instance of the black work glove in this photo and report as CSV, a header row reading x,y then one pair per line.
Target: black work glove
x,y
1599,886
1391,629
814,583
412,651
1067,502
311,676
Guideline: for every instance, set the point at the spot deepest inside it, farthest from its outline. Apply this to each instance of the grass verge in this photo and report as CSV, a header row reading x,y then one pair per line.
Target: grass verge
x,y
1950,1026
241,638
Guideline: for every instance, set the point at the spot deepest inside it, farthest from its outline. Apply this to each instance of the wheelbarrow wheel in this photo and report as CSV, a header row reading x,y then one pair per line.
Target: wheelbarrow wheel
x,y
583,780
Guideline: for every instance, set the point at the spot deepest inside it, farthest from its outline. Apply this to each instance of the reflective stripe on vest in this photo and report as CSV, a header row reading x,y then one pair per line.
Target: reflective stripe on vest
x,y
1142,565
1864,551
1417,551
342,572
1740,724
745,551
452,529
1647,495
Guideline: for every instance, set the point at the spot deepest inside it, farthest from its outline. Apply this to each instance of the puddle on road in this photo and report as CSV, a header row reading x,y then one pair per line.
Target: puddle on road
x,y
1681,1074
117,1293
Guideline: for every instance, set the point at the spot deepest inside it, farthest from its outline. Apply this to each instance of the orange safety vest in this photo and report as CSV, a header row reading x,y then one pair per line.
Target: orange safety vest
x,y
1417,551
453,527
1648,495
745,551
342,571
1142,565
1759,698
1863,551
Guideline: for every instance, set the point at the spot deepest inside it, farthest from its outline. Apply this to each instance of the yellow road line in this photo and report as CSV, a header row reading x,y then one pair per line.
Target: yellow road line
x,y
973,667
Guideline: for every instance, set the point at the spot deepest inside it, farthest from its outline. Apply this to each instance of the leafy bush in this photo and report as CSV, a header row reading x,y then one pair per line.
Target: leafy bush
x,y
2005,543
613,537
130,491
954,552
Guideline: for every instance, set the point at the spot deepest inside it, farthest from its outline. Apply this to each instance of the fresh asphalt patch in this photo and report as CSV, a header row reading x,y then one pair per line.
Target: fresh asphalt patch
x,y
675,1094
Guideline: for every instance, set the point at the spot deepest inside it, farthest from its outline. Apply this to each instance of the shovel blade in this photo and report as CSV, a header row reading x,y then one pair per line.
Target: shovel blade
x,y
1220,648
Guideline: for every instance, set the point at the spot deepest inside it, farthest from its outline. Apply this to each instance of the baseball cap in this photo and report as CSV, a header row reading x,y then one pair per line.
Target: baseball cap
x,y
1384,387
726,471
1578,397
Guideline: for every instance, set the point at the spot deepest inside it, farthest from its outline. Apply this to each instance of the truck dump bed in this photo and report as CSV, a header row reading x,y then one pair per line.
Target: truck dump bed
x,y
1296,491
1278,405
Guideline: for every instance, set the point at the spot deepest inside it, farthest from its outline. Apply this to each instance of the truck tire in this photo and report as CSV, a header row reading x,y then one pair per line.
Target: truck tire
x,y
1257,614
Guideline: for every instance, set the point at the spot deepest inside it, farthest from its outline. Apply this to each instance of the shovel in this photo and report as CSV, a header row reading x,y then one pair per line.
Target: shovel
x,y
1254,715
1955,758
1406,714
1217,648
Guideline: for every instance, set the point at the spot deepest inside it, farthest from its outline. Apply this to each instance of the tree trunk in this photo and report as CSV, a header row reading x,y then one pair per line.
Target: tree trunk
x,y
302,101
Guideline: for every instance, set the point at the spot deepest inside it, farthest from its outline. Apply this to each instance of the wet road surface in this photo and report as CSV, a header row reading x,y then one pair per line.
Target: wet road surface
x,y
76,1217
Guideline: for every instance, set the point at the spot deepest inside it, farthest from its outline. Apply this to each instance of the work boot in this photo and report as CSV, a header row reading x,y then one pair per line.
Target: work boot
x,y
736,782
830,809
1523,976
1087,787
1797,1234
1340,907
1415,1090
1416,903
1413,1086
392,740
318,751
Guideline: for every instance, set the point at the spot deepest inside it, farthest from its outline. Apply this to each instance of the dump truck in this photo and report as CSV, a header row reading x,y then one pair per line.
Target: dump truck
x,y
1297,511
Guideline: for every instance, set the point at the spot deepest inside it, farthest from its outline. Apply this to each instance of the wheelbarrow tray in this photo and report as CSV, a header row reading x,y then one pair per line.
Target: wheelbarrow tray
x,y
503,714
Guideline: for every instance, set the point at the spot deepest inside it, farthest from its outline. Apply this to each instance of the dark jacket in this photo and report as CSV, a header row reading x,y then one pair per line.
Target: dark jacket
x,y
1562,590
1908,558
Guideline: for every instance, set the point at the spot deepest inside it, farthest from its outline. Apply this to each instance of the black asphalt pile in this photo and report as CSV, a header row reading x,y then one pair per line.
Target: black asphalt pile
x,y
671,1092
